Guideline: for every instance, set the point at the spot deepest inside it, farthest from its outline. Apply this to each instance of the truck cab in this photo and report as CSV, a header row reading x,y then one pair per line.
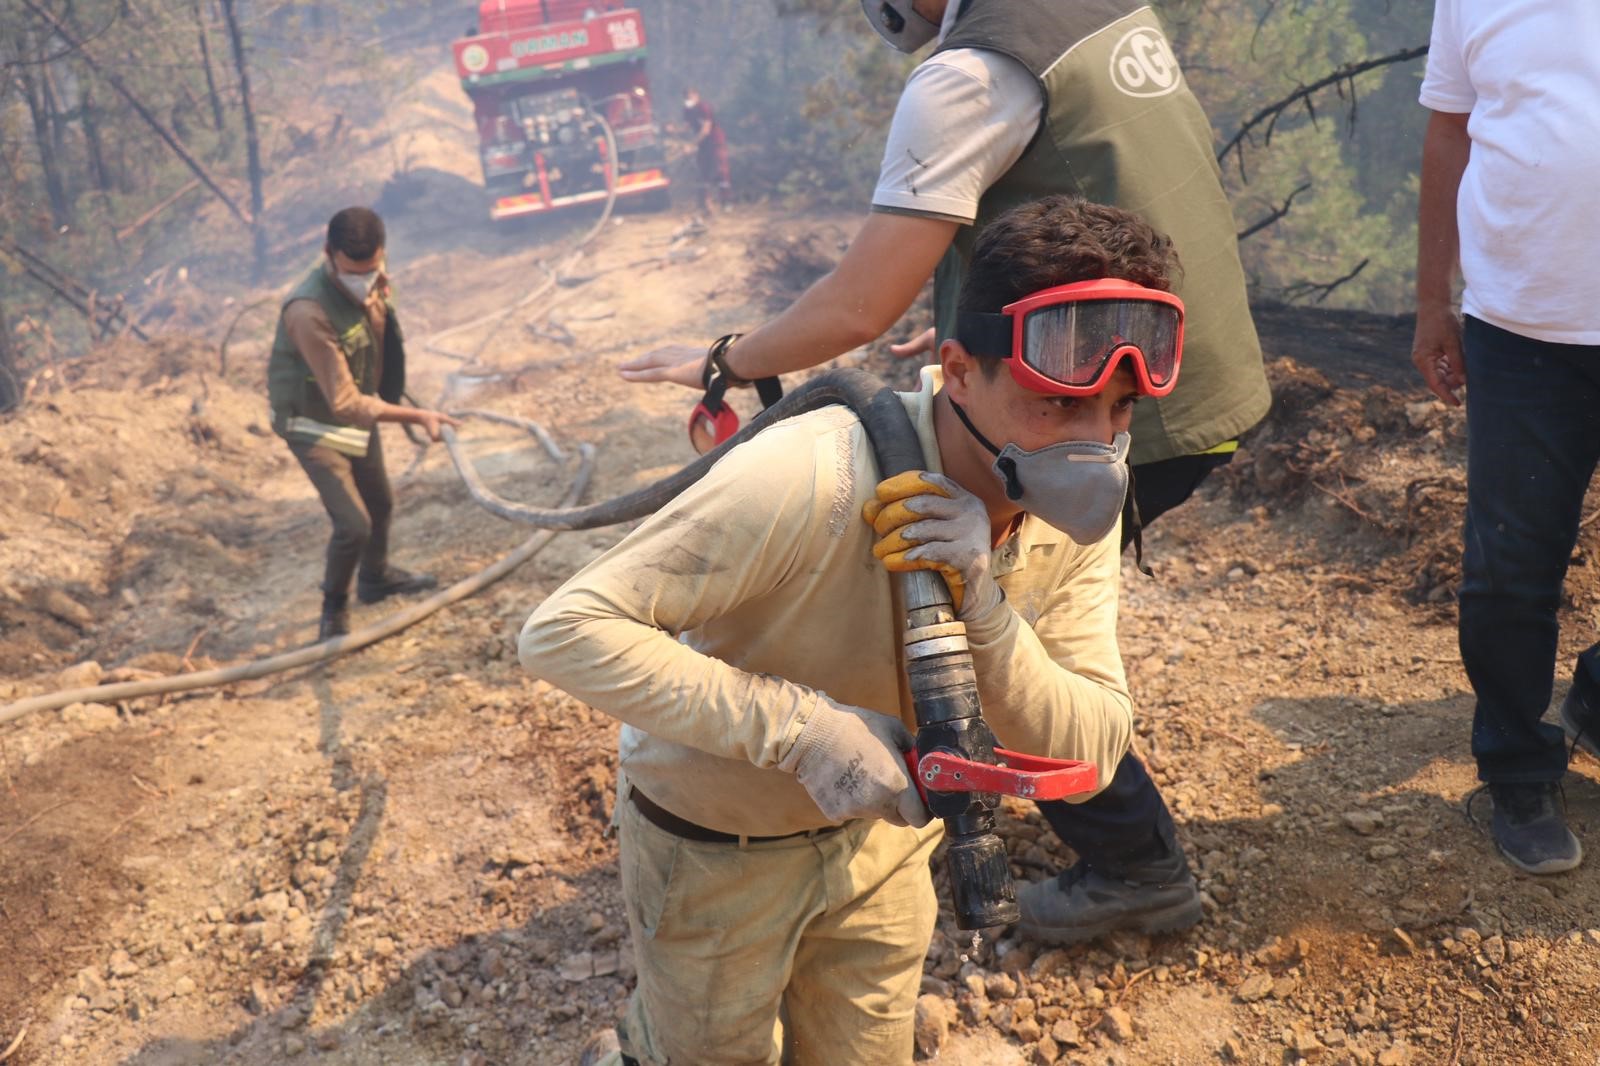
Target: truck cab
x,y
549,80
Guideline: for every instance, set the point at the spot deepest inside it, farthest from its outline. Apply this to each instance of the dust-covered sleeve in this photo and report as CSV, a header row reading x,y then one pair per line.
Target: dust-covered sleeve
x,y
312,334
1057,688
609,636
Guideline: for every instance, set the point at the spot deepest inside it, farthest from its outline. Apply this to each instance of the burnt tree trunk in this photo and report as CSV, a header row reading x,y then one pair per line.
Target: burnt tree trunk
x,y
205,59
31,82
252,142
10,383
92,140
139,108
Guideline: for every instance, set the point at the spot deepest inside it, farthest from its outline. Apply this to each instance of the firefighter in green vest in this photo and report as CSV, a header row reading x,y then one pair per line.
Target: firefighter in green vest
x,y
338,368
1021,99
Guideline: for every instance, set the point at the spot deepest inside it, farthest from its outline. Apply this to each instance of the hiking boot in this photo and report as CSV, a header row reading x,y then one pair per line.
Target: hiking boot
x,y
335,618
601,1049
1082,904
1580,714
1530,831
392,581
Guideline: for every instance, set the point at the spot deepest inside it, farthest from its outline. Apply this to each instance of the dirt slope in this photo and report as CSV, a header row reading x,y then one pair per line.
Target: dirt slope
x,y
401,858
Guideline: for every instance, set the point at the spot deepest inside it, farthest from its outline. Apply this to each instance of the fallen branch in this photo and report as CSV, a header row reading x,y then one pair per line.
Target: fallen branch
x,y
11,1048
222,349
80,296
9,837
139,223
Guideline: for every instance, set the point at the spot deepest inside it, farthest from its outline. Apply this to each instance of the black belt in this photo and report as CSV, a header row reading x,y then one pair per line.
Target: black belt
x,y
662,818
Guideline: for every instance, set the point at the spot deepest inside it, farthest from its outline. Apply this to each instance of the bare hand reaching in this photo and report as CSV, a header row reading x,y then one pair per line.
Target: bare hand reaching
x,y
921,344
433,421
679,364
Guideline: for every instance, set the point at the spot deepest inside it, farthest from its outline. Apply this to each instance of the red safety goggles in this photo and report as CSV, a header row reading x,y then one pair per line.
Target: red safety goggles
x,y
1069,340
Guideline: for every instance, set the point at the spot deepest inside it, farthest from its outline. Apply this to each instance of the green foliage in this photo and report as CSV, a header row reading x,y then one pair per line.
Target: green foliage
x,y
1359,153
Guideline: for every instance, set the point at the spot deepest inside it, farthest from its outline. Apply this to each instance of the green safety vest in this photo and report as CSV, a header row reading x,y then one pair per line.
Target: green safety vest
x,y
1121,127
299,409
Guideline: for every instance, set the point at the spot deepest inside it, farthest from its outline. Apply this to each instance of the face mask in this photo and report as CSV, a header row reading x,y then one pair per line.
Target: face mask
x,y
897,23
1077,486
359,285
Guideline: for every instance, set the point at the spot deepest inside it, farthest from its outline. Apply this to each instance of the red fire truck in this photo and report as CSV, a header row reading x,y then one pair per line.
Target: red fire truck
x,y
542,74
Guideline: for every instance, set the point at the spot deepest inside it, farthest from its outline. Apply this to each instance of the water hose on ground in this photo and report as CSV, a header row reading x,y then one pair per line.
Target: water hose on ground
x,y
400,620
315,653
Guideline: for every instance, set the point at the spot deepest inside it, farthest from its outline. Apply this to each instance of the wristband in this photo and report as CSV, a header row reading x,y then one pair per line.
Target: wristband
x,y
717,358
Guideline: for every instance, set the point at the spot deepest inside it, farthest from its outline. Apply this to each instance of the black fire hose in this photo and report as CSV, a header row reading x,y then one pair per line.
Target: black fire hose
x,y
894,442
944,686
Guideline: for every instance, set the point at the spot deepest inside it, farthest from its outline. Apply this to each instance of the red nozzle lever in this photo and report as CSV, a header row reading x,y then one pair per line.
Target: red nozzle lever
x,y
1029,776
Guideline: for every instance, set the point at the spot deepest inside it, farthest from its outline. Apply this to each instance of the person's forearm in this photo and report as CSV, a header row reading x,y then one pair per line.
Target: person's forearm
x,y
398,412
886,265
823,324
588,645
1036,705
1445,150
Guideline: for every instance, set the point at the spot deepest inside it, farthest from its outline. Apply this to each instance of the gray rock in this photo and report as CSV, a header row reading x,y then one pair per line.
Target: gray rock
x,y
1363,823
578,966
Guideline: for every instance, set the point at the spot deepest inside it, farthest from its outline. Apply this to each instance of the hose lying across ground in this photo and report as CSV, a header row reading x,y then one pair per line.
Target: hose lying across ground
x,y
315,653
874,401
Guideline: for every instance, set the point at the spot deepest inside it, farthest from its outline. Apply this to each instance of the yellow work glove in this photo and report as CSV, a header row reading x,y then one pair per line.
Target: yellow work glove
x,y
925,521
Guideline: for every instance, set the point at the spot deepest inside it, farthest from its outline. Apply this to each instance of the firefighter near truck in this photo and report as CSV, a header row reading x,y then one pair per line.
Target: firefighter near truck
x,y
562,104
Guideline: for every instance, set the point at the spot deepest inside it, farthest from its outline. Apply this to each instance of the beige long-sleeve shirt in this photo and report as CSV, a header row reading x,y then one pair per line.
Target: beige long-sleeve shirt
x,y
710,628
312,333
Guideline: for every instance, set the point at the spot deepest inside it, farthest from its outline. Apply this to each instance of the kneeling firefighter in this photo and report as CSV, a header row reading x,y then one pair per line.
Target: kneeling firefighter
x,y
338,369
747,636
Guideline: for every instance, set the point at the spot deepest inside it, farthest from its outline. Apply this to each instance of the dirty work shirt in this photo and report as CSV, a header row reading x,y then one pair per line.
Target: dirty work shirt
x,y
709,629
1528,74
313,336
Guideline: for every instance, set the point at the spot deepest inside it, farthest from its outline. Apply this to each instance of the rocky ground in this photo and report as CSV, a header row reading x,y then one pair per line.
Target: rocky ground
x,y
402,857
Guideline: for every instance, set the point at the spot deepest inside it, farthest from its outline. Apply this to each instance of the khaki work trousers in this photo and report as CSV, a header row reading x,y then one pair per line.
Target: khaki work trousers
x,y
829,930
356,494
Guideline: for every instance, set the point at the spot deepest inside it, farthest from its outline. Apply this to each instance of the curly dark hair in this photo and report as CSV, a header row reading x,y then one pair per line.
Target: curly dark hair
x,y
1058,240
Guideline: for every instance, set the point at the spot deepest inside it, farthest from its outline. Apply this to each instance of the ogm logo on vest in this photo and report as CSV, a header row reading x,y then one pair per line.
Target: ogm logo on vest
x,y
1142,64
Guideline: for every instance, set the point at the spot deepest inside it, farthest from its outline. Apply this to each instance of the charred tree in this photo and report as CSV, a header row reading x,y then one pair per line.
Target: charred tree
x,y
138,106
205,61
89,116
50,163
252,142
10,383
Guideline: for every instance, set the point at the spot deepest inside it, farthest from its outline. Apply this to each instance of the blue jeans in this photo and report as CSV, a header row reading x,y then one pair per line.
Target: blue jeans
x,y
1533,440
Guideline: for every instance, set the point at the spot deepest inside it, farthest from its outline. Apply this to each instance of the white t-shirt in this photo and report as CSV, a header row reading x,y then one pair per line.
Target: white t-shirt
x,y
965,117
1528,73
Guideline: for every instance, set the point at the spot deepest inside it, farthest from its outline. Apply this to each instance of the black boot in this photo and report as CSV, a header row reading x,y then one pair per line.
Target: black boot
x,y
391,581
335,617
